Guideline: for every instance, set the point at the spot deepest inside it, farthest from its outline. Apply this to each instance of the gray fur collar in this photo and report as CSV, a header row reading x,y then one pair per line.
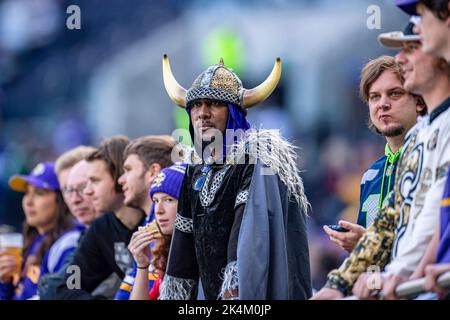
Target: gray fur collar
x,y
269,147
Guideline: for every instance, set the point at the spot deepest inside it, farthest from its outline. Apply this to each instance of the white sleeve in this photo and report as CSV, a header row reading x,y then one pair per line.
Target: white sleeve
x,y
406,262
423,226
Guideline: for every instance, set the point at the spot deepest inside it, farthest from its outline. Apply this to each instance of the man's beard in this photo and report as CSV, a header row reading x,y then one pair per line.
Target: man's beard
x,y
392,132
207,146
138,200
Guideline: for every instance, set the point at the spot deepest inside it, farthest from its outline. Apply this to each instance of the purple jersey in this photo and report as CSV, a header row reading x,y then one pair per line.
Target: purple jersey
x,y
443,252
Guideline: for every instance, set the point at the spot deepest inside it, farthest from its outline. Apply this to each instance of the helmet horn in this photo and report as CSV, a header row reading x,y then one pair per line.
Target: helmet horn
x,y
260,93
176,92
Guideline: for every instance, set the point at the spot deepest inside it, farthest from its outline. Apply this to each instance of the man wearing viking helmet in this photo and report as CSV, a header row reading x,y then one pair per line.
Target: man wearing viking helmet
x,y
239,231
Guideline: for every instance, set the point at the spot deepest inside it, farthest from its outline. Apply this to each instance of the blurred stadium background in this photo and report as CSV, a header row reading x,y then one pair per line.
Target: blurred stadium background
x,y
60,88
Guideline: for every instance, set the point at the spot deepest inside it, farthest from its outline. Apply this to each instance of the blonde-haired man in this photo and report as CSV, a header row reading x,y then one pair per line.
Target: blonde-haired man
x,y
392,112
66,161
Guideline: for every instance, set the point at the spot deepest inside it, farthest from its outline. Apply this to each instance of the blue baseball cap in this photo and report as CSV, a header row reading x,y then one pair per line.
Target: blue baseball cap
x,y
409,6
43,176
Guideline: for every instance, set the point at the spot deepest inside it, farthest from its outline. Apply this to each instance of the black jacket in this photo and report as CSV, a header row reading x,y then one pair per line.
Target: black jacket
x,y
102,252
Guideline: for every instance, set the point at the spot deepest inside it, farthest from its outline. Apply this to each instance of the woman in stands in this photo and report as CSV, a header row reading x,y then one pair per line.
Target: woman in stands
x,y
50,234
164,193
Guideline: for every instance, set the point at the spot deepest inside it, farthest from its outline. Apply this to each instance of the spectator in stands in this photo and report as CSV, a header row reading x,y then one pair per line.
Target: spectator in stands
x,y
102,254
392,112
50,233
79,203
401,232
66,161
82,208
164,193
436,260
144,158
434,27
442,257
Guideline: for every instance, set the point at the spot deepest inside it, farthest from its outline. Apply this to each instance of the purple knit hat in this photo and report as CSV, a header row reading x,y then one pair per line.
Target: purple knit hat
x,y
169,180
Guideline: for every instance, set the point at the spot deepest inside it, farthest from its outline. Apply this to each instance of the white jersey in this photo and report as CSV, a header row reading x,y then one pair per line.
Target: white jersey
x,y
421,188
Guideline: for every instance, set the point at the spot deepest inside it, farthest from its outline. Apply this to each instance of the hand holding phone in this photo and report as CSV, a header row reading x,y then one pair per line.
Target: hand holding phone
x,y
340,234
338,228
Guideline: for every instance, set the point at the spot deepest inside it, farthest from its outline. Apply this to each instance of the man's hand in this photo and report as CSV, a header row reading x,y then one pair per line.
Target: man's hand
x,y
432,273
417,274
368,285
346,240
231,295
389,286
327,294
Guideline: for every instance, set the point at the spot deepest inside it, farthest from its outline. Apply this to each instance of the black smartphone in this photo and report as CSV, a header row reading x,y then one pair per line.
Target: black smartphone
x,y
335,227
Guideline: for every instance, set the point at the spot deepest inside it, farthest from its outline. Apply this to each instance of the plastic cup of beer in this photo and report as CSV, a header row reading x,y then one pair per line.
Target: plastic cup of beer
x,y
11,244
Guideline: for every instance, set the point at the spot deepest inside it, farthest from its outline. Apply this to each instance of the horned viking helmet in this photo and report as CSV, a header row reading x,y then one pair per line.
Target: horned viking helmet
x,y
219,83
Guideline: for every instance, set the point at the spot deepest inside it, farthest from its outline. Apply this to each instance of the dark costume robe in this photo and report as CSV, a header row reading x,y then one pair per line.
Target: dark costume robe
x,y
240,230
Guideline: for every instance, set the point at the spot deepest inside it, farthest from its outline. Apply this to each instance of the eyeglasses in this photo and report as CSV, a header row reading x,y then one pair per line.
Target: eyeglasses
x,y
78,190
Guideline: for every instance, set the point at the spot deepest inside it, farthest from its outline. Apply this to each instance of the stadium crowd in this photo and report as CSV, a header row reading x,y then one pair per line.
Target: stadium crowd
x,y
151,218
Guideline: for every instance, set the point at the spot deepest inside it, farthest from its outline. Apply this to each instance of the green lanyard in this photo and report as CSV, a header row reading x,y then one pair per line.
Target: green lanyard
x,y
391,158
